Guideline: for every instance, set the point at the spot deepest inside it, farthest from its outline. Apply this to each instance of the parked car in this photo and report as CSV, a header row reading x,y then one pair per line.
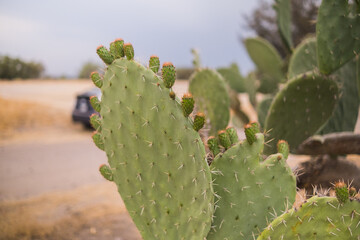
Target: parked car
x,y
83,109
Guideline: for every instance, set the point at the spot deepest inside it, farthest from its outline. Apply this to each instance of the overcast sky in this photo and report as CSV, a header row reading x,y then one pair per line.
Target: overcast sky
x,y
64,34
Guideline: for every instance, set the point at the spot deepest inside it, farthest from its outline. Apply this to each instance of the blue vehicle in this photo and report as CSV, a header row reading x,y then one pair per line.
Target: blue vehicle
x,y
83,109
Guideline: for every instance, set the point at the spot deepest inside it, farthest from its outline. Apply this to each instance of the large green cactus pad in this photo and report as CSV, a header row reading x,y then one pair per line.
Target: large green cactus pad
x,y
283,17
251,191
300,109
210,92
304,58
157,159
266,58
318,218
338,34
346,112
233,77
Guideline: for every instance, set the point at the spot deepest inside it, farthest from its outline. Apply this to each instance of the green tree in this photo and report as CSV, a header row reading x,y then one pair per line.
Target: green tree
x,y
87,69
11,68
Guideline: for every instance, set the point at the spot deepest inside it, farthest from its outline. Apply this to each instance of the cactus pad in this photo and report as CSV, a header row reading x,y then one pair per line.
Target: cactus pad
x,y
266,58
210,93
252,191
300,109
338,34
263,108
304,58
318,218
283,17
233,77
346,112
156,157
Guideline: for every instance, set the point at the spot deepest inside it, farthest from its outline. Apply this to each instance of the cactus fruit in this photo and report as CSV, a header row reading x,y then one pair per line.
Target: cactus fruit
x,y
168,74
232,135
252,191
338,34
346,112
224,139
267,60
317,218
342,192
129,51
304,58
95,77
210,93
283,148
187,104
199,121
95,121
106,172
283,14
154,63
95,103
251,129
117,48
233,77
98,140
105,55
157,159
213,145
300,109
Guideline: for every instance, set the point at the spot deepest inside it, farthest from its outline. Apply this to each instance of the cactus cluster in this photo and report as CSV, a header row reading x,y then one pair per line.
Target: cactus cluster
x,y
159,164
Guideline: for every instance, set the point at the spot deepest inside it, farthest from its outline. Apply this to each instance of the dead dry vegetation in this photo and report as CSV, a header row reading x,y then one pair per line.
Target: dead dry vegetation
x,y
92,212
17,116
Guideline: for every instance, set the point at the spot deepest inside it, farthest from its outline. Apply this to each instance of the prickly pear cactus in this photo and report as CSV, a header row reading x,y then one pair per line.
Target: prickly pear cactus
x,y
210,93
233,77
318,218
346,112
304,58
338,34
283,17
300,109
250,191
156,157
267,60
263,108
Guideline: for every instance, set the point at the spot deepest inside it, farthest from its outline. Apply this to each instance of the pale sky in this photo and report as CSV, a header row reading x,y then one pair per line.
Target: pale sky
x,y
64,34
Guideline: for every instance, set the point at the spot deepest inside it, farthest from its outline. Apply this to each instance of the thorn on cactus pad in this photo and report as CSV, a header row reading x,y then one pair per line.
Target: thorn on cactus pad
x,y
168,74
106,172
283,148
105,55
342,191
352,192
129,51
224,139
95,77
199,121
154,63
187,104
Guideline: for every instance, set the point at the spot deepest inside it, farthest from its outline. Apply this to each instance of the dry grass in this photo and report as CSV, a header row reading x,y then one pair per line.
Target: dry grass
x,y
20,116
93,212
